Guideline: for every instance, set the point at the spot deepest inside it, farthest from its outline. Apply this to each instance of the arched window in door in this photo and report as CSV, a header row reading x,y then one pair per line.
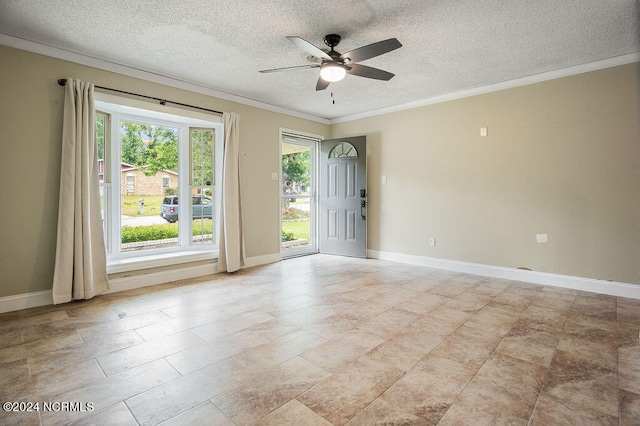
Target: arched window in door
x,y
343,150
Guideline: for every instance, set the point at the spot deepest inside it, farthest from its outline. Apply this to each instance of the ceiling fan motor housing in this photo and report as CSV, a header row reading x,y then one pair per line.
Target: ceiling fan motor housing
x,y
332,40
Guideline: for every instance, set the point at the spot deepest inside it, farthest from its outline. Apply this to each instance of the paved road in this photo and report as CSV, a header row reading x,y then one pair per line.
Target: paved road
x,y
142,220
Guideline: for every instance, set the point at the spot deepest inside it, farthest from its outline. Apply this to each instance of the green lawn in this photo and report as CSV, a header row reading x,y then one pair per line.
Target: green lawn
x,y
300,229
131,205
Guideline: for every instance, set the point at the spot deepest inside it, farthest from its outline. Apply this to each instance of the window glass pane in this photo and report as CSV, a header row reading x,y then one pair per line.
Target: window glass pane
x,y
201,157
149,208
343,150
296,192
100,123
202,181
202,225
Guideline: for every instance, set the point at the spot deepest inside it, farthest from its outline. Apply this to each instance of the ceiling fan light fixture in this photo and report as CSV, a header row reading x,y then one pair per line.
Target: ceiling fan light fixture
x,y
332,73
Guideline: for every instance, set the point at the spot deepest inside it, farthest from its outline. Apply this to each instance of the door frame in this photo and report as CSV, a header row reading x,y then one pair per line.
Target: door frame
x,y
314,228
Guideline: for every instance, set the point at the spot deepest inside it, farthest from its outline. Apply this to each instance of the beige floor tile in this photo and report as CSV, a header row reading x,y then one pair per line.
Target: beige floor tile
x,y
573,380
340,351
430,388
512,299
467,346
58,359
504,390
22,418
393,344
205,354
181,394
115,415
405,349
205,414
293,413
380,412
629,408
442,321
390,322
529,344
550,411
269,390
101,330
334,325
279,350
493,320
593,345
106,391
24,350
350,389
628,310
424,303
133,356
629,368
468,302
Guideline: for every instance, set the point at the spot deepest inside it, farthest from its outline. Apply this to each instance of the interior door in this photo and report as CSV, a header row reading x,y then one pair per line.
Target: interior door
x,y
343,196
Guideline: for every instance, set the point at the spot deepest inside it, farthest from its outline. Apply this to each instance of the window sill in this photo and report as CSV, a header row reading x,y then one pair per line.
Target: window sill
x,y
137,263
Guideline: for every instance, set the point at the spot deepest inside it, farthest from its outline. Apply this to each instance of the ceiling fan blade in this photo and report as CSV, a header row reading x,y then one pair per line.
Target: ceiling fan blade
x,y
309,48
321,84
371,50
299,67
369,72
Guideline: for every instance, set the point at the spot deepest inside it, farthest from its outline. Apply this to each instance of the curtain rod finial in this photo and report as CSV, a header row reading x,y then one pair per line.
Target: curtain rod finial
x,y
62,82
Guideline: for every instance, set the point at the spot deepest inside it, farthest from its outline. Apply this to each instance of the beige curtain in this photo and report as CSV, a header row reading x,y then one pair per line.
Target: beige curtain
x,y
80,267
232,254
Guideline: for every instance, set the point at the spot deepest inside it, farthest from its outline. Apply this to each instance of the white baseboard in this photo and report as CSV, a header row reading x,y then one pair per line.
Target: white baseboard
x,y
262,260
43,298
25,301
543,278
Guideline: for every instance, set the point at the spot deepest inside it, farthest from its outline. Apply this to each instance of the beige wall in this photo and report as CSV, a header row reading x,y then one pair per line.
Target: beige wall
x,y
561,157
31,104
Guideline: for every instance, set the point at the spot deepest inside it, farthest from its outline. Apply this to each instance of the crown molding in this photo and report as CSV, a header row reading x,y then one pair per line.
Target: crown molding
x,y
509,84
101,64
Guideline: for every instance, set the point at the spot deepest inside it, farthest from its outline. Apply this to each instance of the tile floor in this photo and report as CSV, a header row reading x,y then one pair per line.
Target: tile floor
x,y
325,340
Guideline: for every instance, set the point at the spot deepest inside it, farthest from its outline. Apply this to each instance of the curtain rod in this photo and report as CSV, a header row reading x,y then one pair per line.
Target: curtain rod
x,y
63,82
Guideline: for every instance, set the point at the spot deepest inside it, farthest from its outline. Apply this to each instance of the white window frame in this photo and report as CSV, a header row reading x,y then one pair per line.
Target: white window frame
x,y
123,109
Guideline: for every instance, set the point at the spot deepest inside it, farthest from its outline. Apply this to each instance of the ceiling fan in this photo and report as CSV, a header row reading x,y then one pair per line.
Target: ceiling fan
x,y
335,65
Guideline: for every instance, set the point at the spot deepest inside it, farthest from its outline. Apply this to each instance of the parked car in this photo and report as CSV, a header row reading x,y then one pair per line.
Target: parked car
x,y
202,208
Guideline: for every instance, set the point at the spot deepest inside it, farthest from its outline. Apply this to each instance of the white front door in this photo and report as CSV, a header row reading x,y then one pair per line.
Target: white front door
x,y
343,212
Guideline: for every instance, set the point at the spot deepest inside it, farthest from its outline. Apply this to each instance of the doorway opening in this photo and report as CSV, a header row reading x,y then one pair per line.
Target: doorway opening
x,y
298,218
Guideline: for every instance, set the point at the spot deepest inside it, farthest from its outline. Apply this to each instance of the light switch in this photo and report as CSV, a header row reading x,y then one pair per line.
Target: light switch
x,y
384,179
274,175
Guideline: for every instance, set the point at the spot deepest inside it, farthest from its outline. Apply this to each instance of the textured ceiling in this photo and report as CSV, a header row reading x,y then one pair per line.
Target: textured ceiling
x,y
448,45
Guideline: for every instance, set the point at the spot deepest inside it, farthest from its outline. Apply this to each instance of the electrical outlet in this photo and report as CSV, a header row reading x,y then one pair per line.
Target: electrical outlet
x,y
432,242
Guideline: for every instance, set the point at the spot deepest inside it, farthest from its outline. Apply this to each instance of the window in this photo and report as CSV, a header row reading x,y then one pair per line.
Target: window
x,y
343,150
131,183
165,165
